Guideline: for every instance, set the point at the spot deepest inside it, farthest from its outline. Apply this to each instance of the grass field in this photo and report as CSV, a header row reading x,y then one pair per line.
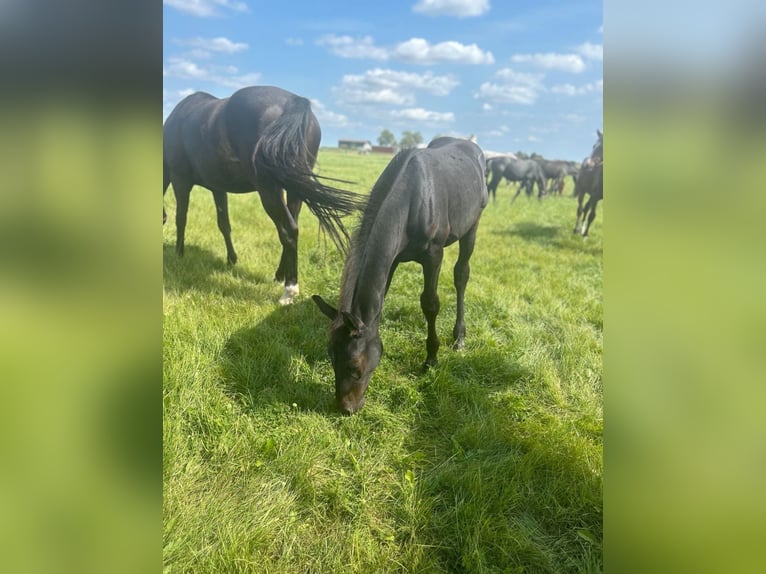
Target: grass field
x,y
490,462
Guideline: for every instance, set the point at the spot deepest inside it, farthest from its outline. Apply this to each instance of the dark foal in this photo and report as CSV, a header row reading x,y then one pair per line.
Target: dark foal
x,y
425,200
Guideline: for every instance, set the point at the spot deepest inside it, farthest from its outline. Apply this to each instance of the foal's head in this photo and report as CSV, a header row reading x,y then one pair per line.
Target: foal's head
x,y
355,350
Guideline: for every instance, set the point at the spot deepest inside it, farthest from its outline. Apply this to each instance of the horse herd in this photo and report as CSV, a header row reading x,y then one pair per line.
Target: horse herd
x,y
266,139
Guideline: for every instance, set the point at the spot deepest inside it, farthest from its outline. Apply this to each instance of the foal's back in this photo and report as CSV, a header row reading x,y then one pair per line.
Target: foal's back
x,y
446,186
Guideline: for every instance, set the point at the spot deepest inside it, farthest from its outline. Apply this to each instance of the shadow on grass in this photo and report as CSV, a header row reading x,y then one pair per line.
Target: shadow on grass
x,y
271,364
555,236
200,269
501,483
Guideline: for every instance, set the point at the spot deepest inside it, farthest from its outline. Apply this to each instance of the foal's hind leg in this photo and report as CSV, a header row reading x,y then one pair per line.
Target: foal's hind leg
x,y
287,228
222,213
182,192
461,274
429,301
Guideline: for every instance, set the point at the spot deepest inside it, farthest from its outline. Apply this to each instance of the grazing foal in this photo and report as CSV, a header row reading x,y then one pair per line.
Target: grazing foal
x,y
423,201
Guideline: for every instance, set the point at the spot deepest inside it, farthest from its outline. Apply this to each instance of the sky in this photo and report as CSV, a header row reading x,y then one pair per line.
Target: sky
x,y
519,75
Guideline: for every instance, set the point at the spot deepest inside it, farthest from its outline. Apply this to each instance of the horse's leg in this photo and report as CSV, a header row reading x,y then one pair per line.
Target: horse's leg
x,y
592,203
518,191
287,228
221,199
461,274
492,187
165,184
294,205
429,301
182,191
580,197
391,275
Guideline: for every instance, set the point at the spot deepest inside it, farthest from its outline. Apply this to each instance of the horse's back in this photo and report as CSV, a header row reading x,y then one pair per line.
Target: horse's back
x,y
192,138
451,189
252,110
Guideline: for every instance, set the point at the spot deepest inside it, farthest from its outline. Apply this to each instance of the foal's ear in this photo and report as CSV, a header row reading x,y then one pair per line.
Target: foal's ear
x,y
600,134
354,324
327,309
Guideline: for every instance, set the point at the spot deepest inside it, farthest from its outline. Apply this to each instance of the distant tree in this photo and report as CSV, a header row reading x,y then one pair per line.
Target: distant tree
x,y
386,138
521,155
410,139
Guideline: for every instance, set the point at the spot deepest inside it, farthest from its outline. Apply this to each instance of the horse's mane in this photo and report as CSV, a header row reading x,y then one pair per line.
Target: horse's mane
x,y
377,196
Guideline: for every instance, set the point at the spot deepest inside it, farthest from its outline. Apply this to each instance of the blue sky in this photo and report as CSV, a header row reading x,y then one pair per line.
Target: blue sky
x,y
520,75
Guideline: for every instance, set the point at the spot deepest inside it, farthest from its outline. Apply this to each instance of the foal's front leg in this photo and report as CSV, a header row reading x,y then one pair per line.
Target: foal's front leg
x,y
461,274
429,302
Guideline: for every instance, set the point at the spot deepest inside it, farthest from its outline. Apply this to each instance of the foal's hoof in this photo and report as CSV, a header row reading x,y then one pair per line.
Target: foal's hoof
x,y
429,363
289,295
231,259
459,345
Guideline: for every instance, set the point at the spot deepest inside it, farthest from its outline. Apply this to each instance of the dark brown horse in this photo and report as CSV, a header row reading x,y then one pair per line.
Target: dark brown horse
x,y
423,201
590,181
261,138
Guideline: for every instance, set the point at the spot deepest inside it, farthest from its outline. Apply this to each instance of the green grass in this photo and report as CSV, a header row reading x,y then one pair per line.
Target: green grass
x,y
490,462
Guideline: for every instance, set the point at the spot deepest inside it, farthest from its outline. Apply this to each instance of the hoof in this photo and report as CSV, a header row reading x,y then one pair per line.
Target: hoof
x,y
289,295
231,260
458,345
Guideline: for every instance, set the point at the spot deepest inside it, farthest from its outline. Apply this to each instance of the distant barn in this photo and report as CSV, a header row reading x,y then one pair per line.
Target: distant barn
x,y
362,146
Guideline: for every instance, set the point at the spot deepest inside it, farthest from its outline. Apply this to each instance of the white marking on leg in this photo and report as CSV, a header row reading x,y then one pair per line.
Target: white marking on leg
x,y
289,294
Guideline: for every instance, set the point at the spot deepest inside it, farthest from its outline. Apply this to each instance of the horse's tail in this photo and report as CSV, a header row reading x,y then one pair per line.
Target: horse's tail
x,y
283,155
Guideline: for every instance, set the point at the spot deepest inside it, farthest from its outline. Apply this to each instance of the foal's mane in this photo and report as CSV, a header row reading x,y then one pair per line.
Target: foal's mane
x,y
378,195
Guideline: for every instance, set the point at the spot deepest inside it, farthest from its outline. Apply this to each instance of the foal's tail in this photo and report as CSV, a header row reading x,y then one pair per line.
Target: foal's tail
x,y
282,153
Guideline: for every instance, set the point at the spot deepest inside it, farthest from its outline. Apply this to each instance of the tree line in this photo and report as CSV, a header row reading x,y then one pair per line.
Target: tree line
x,y
408,139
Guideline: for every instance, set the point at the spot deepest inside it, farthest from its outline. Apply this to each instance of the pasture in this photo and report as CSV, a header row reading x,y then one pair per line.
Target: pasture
x,y
489,462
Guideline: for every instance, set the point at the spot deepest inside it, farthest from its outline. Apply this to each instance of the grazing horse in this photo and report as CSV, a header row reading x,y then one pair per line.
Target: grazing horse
x,y
424,200
525,171
590,181
555,171
261,138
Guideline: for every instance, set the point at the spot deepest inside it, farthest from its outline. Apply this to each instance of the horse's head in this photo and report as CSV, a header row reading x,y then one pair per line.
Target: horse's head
x,y
355,350
598,148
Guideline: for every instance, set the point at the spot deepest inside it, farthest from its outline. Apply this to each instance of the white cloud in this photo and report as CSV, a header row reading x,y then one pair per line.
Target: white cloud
x,y
422,115
327,117
533,139
391,87
570,90
348,47
601,29
219,44
184,69
573,118
414,50
512,88
382,96
457,8
564,62
206,8
381,79
591,51
227,76
487,107
294,41
419,51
